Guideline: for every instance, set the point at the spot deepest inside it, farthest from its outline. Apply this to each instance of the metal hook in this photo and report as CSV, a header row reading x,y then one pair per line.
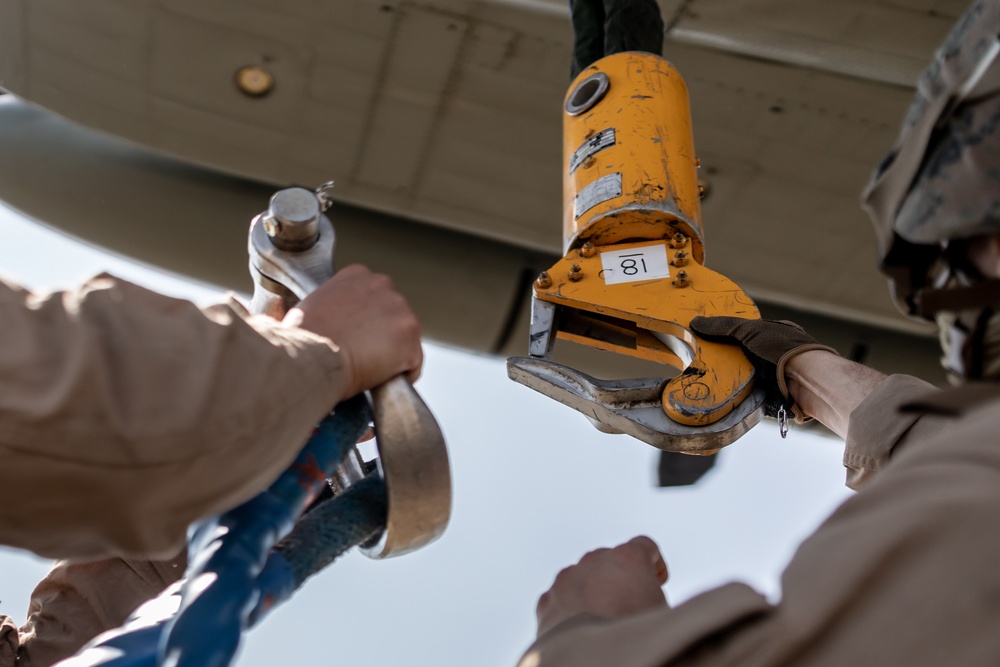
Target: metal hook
x,y
783,421
323,194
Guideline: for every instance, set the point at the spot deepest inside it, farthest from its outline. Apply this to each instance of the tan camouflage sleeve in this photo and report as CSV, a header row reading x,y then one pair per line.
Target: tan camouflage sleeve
x,y
9,642
125,415
877,427
76,602
662,636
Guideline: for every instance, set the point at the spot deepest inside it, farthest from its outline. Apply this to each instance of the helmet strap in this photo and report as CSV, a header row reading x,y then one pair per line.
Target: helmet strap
x,y
982,294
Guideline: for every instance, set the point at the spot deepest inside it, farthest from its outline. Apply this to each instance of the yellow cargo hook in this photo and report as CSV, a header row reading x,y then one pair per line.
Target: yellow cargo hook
x,y
633,275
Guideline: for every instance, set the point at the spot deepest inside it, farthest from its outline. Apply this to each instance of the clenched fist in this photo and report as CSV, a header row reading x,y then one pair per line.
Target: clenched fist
x,y
377,332
609,583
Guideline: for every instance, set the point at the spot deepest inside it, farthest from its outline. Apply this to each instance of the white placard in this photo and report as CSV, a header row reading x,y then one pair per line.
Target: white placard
x,y
635,264
598,192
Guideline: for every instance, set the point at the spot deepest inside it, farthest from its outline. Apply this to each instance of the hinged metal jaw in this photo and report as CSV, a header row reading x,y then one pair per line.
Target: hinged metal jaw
x,y
725,405
632,276
291,254
633,407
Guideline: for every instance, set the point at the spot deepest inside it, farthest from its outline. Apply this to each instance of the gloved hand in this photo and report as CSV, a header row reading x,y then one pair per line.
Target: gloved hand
x,y
768,345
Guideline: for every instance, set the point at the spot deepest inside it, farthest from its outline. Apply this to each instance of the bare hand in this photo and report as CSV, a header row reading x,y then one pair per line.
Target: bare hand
x,y
377,332
609,583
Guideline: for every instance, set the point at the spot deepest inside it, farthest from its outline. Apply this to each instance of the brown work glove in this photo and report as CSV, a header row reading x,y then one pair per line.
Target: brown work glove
x,y
768,345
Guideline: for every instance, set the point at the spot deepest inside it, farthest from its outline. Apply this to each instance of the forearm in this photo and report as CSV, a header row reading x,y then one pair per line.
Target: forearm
x,y
124,414
828,387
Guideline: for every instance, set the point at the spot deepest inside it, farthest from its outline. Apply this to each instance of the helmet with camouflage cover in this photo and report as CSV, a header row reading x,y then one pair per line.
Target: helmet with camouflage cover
x,y
940,183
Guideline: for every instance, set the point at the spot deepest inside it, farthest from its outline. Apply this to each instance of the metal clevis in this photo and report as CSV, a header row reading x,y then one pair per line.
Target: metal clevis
x,y
633,275
291,254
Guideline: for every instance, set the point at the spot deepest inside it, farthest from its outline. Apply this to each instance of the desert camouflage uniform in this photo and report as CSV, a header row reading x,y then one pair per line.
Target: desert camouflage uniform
x,y
906,572
124,416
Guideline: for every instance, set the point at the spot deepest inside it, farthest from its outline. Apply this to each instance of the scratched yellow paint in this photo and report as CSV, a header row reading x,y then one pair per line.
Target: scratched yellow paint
x,y
646,108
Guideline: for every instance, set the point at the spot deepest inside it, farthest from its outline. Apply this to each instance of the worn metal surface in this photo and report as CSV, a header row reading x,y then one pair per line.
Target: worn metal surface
x,y
620,287
627,318
633,407
650,154
297,271
412,455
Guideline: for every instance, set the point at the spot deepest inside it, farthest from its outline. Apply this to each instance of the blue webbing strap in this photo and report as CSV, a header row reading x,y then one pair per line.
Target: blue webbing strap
x,y
234,576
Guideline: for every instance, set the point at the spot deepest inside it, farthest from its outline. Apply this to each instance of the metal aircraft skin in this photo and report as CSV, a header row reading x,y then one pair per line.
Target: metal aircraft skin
x,y
157,129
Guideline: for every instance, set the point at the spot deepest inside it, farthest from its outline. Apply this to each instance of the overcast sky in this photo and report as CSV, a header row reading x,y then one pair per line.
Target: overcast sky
x,y
535,486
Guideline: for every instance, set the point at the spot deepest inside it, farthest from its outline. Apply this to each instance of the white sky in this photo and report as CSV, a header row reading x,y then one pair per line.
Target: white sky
x,y
535,486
